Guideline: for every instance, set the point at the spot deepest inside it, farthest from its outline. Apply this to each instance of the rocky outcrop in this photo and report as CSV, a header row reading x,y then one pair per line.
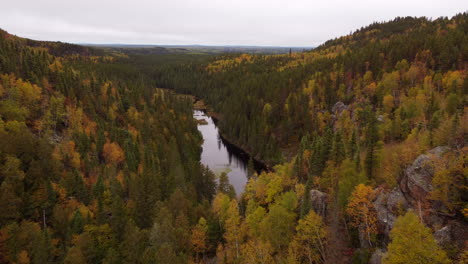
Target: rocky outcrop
x,y
443,235
413,193
376,257
338,108
417,182
453,234
388,206
364,241
319,201
416,185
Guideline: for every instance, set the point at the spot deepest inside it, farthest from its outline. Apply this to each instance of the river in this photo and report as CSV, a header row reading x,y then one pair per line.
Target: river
x,y
221,156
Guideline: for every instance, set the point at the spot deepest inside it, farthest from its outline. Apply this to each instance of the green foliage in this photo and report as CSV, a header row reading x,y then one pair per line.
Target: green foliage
x,y
412,242
278,226
309,242
88,148
98,165
225,187
349,179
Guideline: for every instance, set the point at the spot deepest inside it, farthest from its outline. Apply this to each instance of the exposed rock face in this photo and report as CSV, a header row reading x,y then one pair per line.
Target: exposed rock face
x,y
443,235
377,256
413,193
417,182
416,186
339,107
319,201
458,233
363,238
388,205
455,233
396,201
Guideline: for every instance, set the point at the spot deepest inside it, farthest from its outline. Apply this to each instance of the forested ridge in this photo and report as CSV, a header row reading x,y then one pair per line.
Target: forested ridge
x,y
288,96
90,160
367,134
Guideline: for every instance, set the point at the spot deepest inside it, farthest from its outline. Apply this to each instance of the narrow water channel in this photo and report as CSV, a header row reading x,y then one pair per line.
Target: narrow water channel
x,y
221,156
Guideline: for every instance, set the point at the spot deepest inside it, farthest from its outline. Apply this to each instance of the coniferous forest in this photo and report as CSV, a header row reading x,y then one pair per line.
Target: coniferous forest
x,y
364,138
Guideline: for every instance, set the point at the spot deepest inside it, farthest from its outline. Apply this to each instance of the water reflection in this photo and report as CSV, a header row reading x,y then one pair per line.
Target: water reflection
x,y
221,156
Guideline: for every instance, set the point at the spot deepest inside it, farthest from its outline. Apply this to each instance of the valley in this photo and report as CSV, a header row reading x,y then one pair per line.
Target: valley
x,y
351,152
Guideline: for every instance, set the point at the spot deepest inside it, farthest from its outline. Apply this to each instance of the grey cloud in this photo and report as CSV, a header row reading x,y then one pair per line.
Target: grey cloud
x,y
209,22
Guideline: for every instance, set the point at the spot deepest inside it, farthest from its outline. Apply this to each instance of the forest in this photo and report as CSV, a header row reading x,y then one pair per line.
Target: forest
x,y
365,137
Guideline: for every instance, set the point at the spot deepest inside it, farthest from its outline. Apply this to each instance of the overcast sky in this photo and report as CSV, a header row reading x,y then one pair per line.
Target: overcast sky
x,y
207,22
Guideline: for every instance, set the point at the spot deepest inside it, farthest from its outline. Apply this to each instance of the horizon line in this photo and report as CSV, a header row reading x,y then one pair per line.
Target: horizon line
x,y
192,45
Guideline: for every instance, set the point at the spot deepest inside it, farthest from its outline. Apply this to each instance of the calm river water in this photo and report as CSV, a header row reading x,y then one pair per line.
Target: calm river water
x,y
221,156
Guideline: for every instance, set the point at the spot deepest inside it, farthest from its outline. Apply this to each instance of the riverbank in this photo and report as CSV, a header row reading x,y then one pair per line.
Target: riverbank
x,y
265,166
199,104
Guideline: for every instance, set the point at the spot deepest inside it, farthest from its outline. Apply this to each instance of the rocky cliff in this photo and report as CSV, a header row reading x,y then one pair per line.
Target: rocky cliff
x,y
414,193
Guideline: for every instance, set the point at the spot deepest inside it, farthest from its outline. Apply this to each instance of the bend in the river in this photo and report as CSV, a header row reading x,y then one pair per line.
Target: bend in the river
x,y
221,156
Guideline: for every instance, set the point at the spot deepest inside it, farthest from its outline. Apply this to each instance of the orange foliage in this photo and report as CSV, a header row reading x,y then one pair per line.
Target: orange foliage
x,y
23,257
89,126
66,152
113,153
362,211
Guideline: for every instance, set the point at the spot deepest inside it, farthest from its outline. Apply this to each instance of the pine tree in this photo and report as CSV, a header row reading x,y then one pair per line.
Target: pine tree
x,y
225,187
250,168
338,153
77,223
371,143
317,162
352,146
42,248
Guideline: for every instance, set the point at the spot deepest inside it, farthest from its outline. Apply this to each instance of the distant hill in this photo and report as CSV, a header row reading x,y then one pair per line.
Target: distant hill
x,y
55,48
366,135
160,49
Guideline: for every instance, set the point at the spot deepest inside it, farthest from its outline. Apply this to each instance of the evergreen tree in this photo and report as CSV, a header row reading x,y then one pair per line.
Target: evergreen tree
x,y
338,153
77,223
225,187
250,168
371,143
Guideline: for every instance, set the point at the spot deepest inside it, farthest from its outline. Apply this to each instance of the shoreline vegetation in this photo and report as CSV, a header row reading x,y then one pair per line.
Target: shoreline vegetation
x,y
367,133
199,104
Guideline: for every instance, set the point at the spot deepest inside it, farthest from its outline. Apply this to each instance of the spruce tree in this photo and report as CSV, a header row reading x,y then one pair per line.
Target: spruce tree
x,y
371,143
